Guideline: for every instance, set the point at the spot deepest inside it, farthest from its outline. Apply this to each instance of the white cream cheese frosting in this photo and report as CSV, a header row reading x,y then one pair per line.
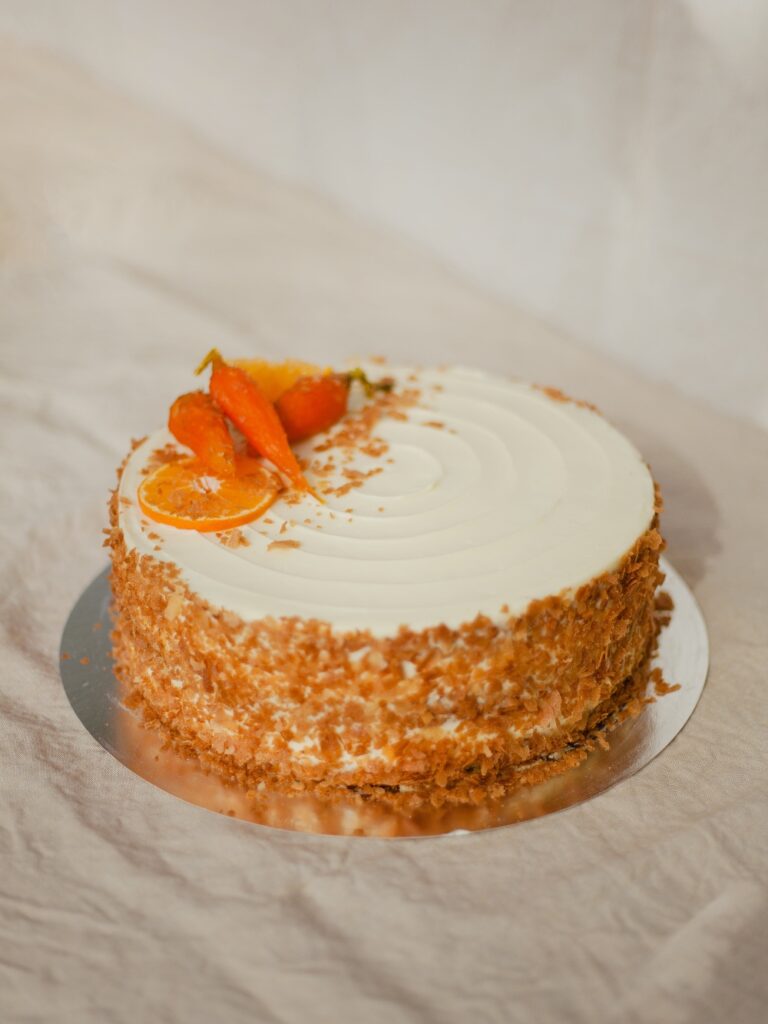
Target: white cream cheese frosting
x,y
491,494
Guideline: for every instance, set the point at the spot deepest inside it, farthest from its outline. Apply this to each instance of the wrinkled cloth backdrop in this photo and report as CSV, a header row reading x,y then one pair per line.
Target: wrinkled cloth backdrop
x,y
127,248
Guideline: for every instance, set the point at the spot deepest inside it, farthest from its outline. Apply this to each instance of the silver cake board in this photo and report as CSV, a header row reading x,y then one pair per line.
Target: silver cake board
x,y
95,696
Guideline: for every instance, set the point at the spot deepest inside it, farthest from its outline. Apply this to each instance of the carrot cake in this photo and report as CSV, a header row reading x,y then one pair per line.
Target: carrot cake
x,y
452,594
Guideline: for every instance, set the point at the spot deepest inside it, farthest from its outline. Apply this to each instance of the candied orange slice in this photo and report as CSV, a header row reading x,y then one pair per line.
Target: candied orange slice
x,y
186,495
275,378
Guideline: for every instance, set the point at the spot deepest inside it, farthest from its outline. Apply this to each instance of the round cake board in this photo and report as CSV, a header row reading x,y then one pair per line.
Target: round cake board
x,y
95,695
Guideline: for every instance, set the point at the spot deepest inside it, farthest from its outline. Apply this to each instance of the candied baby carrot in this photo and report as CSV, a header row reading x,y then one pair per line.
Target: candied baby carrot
x,y
240,398
196,422
314,404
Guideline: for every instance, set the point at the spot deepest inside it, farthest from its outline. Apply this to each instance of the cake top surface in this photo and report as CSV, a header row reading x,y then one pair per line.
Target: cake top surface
x,y
463,494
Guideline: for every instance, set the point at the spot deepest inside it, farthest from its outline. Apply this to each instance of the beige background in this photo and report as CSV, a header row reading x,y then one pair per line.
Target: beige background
x,y
600,163
128,247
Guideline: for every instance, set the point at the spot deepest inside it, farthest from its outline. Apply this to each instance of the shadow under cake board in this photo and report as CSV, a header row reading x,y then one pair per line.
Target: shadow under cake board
x,y
94,693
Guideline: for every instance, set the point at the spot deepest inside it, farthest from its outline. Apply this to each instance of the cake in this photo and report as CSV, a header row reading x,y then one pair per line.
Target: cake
x,y
464,603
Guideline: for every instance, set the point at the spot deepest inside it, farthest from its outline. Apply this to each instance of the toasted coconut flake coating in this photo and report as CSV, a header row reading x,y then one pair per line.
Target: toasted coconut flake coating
x,y
429,716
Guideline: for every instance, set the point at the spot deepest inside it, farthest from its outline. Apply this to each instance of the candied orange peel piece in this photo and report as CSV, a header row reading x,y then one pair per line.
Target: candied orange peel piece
x,y
275,379
188,496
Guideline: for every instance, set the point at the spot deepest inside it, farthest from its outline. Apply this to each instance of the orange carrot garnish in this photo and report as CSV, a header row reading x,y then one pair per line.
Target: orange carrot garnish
x,y
240,398
314,404
196,422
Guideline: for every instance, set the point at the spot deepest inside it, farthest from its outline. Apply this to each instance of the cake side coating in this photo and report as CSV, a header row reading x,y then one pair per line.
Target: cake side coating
x,y
439,714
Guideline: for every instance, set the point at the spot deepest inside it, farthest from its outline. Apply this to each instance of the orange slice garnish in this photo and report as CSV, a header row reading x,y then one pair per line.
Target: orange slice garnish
x,y
183,494
274,379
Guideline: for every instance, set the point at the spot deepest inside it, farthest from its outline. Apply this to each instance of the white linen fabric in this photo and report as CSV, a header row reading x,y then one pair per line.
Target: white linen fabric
x,y
127,249
602,168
